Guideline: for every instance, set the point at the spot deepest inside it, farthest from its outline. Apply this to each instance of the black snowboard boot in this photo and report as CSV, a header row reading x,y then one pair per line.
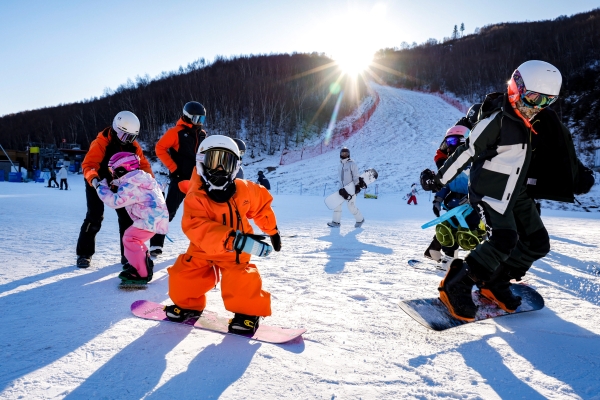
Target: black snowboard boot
x,y
155,251
130,276
242,324
434,251
498,290
178,314
455,291
84,261
149,267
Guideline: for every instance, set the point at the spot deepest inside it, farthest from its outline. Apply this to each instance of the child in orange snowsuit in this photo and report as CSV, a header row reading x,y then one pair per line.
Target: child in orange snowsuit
x,y
216,230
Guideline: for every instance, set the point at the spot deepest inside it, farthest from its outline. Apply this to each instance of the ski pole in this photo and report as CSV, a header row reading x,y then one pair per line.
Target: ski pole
x,y
170,240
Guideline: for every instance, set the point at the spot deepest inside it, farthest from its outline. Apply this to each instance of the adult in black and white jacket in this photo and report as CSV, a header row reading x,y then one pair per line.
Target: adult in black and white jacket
x,y
503,176
347,172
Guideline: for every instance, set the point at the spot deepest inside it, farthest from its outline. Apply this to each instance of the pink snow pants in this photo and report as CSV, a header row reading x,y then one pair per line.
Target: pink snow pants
x,y
135,248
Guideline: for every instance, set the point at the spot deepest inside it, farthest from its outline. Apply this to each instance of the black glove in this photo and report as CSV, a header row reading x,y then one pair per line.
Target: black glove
x,y
357,189
176,175
276,241
361,183
345,194
437,205
585,181
429,182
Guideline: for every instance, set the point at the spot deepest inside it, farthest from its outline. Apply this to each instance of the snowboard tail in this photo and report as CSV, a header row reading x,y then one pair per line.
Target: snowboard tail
x,y
334,199
211,321
433,314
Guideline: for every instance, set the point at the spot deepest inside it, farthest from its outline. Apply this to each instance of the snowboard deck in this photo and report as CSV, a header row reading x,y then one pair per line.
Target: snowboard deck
x,y
428,265
334,199
433,314
211,321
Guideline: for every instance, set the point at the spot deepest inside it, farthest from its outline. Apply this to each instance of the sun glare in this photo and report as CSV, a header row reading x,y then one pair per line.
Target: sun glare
x,y
353,64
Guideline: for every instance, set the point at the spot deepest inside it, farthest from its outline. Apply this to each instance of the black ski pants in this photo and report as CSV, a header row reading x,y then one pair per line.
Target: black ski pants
x,y
515,239
86,244
66,184
50,182
173,200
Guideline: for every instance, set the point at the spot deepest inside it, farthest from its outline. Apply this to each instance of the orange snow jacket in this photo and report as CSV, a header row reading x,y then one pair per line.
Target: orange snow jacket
x,y
106,144
208,224
171,141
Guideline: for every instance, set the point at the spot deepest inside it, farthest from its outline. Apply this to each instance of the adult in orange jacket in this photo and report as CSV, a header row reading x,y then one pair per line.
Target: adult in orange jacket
x,y
120,137
216,215
177,150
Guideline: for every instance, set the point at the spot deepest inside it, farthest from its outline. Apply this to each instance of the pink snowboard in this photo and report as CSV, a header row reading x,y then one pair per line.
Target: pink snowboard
x,y
211,321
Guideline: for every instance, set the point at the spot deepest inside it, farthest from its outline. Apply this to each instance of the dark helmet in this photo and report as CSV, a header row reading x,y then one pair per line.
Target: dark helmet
x,y
260,173
194,113
345,151
473,113
241,146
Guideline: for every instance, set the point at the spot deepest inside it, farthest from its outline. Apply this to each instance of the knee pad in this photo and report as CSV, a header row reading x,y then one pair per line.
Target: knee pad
x,y
504,240
539,242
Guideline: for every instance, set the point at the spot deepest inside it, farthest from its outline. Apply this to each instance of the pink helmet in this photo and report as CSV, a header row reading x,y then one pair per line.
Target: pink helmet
x,y
122,163
457,130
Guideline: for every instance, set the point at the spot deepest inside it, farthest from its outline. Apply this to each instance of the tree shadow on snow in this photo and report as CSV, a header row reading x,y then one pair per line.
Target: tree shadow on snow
x,y
136,369
34,278
556,349
346,248
570,241
45,323
584,287
208,375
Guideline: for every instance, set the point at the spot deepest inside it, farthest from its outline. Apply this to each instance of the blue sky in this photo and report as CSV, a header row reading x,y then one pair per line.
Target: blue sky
x,y
56,52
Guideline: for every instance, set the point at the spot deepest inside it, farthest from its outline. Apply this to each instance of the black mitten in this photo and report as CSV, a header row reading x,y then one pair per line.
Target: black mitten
x,y
345,194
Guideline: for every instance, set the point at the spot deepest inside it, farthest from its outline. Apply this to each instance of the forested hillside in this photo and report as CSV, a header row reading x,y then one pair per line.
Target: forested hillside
x,y
273,99
476,64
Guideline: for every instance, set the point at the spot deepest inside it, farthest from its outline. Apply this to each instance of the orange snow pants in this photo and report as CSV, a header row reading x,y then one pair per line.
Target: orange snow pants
x,y
190,278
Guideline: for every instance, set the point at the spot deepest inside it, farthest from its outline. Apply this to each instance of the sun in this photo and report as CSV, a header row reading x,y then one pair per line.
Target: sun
x,y
353,63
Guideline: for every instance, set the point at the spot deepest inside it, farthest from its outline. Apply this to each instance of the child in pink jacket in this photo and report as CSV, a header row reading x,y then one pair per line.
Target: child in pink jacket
x,y
142,197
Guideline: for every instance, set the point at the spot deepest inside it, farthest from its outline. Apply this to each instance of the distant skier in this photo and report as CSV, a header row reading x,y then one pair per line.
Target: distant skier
x,y
263,180
242,148
216,215
120,137
52,178
412,196
140,194
347,173
501,148
63,175
177,151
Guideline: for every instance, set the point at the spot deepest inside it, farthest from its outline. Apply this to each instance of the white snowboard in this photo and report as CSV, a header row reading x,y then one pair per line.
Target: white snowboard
x,y
334,199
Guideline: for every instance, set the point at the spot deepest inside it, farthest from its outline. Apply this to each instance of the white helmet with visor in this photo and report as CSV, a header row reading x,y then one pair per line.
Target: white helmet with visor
x,y
218,161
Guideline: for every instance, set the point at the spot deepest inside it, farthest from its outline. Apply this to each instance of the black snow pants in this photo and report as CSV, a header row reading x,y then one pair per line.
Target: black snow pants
x,y
86,244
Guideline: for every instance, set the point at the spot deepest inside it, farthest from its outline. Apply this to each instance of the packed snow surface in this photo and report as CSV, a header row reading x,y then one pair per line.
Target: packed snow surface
x,y
69,332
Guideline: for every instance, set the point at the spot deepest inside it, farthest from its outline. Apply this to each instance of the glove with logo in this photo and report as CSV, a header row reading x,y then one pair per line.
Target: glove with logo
x,y
345,194
430,182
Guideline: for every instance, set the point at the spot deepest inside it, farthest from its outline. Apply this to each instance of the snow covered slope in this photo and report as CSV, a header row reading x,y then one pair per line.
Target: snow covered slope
x,y
69,332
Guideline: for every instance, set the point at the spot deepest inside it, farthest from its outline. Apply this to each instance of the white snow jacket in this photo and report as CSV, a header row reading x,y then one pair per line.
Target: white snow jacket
x,y
62,174
348,172
142,197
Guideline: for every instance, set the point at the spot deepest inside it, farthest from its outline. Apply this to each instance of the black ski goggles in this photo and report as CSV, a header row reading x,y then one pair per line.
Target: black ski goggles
x,y
216,158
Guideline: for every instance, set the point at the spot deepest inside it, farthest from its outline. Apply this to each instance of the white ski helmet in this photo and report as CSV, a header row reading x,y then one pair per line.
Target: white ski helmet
x,y
536,82
218,151
127,126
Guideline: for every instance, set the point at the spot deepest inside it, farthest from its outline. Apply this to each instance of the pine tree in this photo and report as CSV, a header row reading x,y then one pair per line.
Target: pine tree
x,y
455,32
462,29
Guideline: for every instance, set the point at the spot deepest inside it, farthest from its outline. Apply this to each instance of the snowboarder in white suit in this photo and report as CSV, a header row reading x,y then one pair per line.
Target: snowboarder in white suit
x,y
347,172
